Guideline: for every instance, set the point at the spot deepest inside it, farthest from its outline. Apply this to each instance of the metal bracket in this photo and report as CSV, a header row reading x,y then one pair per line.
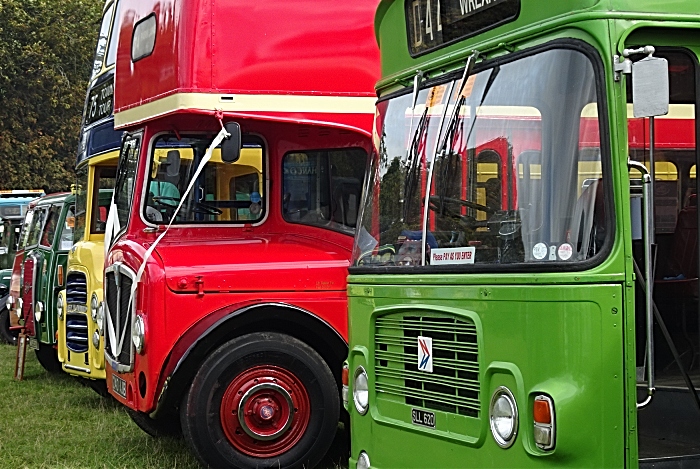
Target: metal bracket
x,y
622,65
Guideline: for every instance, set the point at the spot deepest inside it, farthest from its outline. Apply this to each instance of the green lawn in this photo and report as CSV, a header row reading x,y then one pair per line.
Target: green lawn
x,y
53,421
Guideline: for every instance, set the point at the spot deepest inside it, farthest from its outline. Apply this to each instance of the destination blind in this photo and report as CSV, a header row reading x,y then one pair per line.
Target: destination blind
x,y
434,23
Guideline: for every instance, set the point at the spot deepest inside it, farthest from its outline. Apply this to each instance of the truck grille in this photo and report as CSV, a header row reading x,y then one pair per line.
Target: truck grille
x,y
453,386
118,281
77,333
76,288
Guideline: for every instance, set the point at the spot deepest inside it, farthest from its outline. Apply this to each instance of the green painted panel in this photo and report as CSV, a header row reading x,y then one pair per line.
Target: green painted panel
x,y
565,342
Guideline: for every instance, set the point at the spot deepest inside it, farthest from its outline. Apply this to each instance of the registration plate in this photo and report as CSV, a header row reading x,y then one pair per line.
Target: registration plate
x,y
119,386
423,418
33,343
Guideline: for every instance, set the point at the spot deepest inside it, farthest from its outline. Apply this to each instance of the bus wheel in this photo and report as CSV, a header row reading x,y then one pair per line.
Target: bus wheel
x,y
6,335
48,358
261,400
168,426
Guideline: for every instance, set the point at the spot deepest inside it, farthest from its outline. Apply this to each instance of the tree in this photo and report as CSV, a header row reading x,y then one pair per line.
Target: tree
x,y
46,50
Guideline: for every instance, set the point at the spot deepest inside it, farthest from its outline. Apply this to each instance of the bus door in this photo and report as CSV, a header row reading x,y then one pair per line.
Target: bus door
x,y
29,271
669,426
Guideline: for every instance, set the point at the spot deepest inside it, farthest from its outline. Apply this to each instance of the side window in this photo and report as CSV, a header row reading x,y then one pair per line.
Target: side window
x,y
67,230
323,188
49,231
105,178
37,225
24,236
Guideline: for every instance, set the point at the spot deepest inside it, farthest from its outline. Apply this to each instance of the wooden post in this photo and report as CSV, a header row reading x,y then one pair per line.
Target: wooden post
x,y
21,356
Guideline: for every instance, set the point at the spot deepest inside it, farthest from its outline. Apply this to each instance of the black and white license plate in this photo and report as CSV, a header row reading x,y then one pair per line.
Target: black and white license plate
x,y
33,343
423,418
119,386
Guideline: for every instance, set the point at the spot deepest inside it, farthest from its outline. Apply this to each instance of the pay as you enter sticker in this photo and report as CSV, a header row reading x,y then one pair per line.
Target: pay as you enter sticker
x,y
452,256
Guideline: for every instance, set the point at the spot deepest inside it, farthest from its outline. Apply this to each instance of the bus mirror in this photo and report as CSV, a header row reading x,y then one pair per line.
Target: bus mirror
x,y
650,91
231,146
172,162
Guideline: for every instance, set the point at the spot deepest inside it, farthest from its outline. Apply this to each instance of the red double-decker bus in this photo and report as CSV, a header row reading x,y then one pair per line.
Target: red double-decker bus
x,y
248,128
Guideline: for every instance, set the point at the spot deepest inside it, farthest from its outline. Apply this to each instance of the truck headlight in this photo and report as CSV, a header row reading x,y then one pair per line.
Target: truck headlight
x,y
360,390
38,310
59,307
18,310
503,417
138,334
100,316
93,308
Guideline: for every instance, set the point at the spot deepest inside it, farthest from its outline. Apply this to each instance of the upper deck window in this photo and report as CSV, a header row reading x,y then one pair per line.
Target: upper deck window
x,y
222,193
322,188
144,39
102,41
504,170
434,23
113,39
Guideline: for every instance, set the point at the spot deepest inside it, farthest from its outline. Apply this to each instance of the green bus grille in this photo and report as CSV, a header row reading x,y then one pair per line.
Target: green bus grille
x,y
453,386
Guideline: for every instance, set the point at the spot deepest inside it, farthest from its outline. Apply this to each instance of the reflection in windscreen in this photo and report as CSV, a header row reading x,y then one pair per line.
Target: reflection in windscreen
x,y
502,168
222,193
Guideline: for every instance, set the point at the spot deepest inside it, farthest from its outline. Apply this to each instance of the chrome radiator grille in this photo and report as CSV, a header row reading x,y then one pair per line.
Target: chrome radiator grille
x,y
76,332
76,288
118,283
453,386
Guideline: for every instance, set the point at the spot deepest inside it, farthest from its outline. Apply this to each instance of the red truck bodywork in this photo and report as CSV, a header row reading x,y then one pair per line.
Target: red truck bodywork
x,y
298,76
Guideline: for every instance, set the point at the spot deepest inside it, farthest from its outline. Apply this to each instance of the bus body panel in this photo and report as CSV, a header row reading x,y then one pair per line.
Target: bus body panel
x,y
611,408
321,50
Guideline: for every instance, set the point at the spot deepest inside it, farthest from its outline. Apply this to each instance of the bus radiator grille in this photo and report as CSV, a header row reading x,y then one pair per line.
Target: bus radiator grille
x,y
119,314
453,386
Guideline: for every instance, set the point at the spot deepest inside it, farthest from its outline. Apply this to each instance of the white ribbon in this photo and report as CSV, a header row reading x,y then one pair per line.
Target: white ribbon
x,y
207,156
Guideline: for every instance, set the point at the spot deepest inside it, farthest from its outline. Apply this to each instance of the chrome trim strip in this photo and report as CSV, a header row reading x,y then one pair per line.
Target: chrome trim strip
x,y
76,368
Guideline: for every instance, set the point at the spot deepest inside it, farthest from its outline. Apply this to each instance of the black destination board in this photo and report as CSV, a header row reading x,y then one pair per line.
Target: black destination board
x,y
100,102
434,23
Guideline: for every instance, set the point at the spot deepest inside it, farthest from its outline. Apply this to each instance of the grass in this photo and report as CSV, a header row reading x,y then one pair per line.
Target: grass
x,y
53,421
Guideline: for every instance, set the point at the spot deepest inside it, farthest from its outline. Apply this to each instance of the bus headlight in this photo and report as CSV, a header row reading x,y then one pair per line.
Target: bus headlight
x,y
93,308
38,310
100,316
503,417
138,334
360,390
59,307
363,461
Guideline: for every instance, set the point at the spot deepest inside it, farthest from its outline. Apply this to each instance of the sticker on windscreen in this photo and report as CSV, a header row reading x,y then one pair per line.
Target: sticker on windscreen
x,y
539,251
447,256
565,252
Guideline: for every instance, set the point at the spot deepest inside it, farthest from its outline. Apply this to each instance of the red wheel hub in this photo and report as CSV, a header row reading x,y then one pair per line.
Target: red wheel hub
x,y
265,411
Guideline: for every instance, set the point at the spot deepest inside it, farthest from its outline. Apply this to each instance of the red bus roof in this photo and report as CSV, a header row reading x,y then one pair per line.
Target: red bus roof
x,y
270,57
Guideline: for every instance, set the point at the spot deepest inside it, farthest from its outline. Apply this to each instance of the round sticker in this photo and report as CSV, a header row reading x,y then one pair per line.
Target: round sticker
x,y
539,252
565,251
255,197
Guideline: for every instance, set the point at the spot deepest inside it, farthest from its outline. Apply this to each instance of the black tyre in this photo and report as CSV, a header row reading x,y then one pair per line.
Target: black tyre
x,y
261,400
48,358
168,426
6,335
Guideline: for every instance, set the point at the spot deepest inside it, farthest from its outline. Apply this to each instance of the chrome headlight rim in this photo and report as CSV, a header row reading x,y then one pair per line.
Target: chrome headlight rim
x,y
38,310
503,396
138,334
18,308
101,317
59,307
360,372
363,461
94,304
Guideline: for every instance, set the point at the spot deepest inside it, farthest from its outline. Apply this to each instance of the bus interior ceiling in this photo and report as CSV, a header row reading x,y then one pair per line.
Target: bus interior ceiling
x,y
668,426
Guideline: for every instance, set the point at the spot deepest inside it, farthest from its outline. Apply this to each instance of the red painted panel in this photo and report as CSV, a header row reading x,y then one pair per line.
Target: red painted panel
x,y
237,46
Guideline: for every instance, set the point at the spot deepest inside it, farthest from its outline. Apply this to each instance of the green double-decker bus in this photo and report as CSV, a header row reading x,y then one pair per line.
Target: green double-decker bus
x,y
524,285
